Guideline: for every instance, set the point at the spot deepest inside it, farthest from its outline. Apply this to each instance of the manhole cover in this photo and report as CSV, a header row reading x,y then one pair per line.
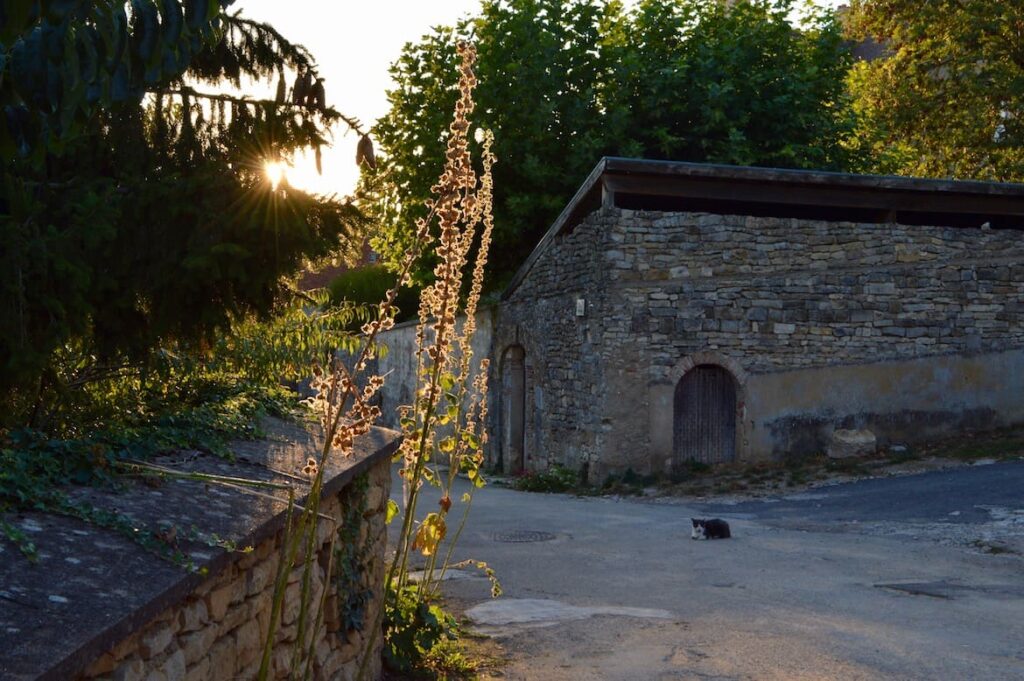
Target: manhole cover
x,y
523,536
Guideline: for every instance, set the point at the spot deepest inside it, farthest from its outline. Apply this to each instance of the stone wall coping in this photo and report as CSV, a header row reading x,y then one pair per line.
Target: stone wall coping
x,y
92,587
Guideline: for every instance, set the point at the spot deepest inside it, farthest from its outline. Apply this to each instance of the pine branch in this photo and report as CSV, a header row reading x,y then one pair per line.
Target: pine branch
x,y
328,113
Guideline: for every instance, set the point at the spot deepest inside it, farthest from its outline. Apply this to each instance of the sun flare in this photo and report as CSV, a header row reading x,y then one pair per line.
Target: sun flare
x,y
277,172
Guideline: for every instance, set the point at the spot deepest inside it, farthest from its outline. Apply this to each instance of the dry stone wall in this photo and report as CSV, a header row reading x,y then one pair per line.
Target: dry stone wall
x,y
217,631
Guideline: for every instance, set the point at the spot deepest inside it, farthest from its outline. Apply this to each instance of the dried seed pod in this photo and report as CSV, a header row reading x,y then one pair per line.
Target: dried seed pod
x,y
281,89
315,95
301,89
318,96
364,153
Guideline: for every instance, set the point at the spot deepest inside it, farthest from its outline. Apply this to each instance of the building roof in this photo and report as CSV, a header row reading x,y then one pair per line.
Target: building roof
x,y
814,195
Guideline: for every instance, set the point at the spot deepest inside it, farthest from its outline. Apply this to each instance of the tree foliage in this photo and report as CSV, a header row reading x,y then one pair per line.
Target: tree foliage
x,y
736,84
565,82
148,220
947,98
62,60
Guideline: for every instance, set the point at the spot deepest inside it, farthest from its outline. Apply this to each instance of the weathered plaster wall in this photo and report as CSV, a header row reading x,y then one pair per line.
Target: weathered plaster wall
x,y
398,364
806,300
901,401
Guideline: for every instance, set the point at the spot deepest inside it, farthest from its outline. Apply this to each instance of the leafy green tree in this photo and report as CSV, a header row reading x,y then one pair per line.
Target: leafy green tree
x,y
150,221
539,65
564,82
947,97
731,83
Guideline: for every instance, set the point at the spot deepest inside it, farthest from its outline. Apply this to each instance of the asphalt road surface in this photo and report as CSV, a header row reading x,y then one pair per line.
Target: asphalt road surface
x,y
927,497
915,577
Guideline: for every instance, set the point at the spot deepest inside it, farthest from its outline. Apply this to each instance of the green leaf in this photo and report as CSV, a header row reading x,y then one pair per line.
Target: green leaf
x,y
172,21
147,30
392,511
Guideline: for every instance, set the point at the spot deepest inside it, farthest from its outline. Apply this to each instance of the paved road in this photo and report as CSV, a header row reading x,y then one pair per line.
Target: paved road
x,y
856,581
928,497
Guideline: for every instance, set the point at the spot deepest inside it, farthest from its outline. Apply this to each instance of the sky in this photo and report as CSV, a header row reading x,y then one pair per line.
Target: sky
x,y
354,43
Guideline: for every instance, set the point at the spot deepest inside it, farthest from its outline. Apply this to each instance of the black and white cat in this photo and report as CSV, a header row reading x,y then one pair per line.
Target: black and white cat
x,y
710,528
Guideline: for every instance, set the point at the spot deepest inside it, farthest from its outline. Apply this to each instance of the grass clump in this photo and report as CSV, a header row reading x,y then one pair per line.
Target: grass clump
x,y
1006,445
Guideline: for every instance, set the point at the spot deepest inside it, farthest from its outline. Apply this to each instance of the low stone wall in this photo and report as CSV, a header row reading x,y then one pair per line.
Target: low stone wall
x,y
163,623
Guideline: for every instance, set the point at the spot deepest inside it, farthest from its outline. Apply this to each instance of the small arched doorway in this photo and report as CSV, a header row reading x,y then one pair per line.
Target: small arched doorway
x,y
513,408
704,416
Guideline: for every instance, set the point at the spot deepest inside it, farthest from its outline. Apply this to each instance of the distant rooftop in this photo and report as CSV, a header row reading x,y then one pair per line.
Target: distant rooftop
x,y
675,186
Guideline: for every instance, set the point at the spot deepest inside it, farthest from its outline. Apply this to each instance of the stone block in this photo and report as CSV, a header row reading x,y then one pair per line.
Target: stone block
x,y
199,672
292,603
174,668
104,665
248,644
193,616
281,661
155,640
888,288
236,614
261,575
222,658
218,600
264,549
237,581
197,644
132,669
374,497
851,443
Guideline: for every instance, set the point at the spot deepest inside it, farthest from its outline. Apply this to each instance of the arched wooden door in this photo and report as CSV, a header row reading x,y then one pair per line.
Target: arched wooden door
x,y
705,416
513,408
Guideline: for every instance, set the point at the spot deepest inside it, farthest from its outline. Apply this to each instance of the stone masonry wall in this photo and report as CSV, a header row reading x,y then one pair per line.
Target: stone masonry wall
x,y
217,631
767,294
781,293
566,366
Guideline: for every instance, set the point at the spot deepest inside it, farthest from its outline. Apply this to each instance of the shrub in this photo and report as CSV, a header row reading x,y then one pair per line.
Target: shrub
x,y
415,629
556,479
369,285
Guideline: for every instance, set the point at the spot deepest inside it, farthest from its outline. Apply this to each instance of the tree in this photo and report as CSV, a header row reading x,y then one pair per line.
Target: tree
x,y
149,221
731,83
947,97
563,83
539,63
69,58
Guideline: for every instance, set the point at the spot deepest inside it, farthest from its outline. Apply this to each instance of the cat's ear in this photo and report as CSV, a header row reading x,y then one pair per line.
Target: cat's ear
x,y
694,521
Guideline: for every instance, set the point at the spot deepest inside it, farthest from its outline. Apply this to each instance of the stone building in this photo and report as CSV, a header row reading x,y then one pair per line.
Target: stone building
x,y
682,311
